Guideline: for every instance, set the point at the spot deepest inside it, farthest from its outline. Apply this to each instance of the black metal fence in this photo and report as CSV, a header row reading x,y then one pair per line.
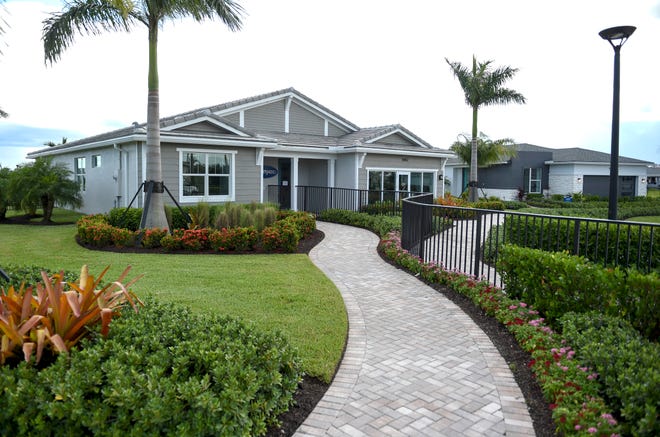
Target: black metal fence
x,y
315,200
469,238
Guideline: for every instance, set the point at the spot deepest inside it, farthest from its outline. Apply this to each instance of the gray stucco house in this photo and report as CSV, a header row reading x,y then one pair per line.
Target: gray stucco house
x,y
234,151
547,171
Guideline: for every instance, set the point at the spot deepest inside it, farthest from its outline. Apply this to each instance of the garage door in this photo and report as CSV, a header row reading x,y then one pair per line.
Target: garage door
x,y
600,185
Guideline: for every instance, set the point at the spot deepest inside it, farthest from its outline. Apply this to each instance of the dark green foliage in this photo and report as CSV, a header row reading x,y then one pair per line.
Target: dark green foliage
x,y
379,224
514,204
385,207
628,367
490,204
597,241
30,274
163,371
125,218
556,283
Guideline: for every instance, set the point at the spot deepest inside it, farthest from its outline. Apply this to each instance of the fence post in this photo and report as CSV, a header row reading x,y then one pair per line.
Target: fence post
x,y
476,244
576,237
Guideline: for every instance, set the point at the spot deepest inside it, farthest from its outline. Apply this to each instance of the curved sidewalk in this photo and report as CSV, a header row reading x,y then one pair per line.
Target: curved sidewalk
x,y
415,364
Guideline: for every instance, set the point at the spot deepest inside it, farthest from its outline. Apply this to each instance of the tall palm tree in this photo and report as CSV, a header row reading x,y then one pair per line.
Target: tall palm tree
x,y
483,86
94,16
3,23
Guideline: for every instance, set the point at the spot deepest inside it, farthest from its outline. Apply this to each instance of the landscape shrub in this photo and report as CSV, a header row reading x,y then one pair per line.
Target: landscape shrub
x,y
283,236
234,239
162,371
195,239
490,204
31,275
556,283
95,230
385,207
627,366
597,244
514,204
173,241
379,224
125,218
123,237
151,237
303,221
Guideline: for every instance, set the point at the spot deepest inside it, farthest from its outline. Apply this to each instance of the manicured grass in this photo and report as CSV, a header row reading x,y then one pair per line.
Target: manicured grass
x,y
645,219
653,192
284,292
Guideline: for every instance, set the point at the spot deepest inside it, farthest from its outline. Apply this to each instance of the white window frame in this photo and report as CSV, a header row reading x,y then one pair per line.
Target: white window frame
x,y
79,172
96,161
539,180
400,171
231,197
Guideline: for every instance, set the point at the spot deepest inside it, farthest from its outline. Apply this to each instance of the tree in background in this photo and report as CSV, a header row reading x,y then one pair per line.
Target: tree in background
x,y
43,184
4,191
489,151
94,16
483,86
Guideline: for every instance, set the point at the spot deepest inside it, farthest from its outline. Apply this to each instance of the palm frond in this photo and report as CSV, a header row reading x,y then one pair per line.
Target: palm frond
x,y
81,17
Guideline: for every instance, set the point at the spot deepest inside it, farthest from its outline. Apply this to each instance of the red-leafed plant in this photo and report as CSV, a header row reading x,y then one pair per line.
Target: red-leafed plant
x,y
57,315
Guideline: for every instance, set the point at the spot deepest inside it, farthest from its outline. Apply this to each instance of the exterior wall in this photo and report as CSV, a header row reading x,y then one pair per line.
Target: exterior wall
x,y
267,117
334,131
345,171
302,121
246,173
569,178
395,139
203,127
393,162
313,172
233,118
455,175
510,176
503,194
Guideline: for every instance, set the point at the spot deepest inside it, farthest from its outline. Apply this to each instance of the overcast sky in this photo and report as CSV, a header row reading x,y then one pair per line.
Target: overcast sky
x,y
374,62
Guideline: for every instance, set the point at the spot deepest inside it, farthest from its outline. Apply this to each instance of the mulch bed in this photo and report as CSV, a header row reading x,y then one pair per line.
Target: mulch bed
x,y
311,390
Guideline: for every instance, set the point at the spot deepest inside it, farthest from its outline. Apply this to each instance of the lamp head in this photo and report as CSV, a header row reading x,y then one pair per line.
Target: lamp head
x,y
617,36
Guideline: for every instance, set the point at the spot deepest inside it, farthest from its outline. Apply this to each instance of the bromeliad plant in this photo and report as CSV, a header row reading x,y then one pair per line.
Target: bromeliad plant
x,y
57,315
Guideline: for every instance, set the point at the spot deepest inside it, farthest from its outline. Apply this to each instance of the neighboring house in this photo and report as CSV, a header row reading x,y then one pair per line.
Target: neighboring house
x,y
235,151
653,177
547,171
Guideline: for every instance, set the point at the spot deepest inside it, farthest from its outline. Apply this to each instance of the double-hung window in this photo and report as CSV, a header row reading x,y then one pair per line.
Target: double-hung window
x,y
206,175
533,179
79,172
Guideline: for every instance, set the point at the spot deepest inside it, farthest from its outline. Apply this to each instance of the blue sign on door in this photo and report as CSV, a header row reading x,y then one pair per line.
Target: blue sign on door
x,y
269,171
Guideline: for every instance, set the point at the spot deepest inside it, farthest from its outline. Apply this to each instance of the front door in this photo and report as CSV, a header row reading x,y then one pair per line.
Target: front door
x,y
284,182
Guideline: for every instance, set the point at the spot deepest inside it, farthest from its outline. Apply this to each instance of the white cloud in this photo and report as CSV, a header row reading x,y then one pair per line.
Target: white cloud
x,y
373,61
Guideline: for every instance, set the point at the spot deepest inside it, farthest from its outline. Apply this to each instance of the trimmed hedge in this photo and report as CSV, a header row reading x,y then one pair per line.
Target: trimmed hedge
x,y
30,275
556,283
379,224
163,371
628,367
599,247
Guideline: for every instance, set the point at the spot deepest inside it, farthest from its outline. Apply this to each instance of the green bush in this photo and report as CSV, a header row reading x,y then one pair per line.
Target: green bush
x,y
557,234
490,204
556,283
627,366
125,218
514,204
163,371
385,207
30,275
234,239
379,224
283,235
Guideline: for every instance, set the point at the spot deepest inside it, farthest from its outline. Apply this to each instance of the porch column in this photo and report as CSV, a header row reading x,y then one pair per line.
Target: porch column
x,y
294,183
331,172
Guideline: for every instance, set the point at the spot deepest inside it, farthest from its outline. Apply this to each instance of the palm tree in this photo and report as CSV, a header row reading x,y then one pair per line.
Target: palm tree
x,y
488,151
3,23
94,16
483,87
42,183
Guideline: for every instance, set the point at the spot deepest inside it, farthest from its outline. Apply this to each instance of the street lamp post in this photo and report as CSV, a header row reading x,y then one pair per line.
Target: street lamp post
x,y
616,36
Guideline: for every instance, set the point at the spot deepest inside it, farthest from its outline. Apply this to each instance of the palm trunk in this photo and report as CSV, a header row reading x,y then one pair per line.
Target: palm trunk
x,y
154,213
473,193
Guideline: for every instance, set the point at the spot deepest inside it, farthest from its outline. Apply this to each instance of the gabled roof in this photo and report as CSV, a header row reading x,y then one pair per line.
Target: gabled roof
x,y
211,124
577,154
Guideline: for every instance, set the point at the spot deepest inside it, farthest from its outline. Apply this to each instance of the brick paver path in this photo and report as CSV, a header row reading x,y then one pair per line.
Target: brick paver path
x,y
415,364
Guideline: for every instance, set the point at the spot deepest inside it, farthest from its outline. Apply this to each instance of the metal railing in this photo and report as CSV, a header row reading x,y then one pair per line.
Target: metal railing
x,y
316,199
469,238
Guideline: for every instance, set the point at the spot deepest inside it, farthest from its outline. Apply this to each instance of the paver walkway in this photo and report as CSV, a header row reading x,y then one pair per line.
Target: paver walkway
x,y
415,364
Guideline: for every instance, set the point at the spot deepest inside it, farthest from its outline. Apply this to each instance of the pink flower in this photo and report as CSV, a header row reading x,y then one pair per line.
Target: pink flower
x,y
578,427
523,304
512,307
592,430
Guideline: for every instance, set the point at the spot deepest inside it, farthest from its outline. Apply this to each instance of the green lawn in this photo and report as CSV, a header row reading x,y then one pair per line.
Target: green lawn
x,y
645,219
653,192
283,291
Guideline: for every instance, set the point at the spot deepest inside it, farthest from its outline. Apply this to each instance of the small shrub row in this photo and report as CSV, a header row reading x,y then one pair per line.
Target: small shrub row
x,y
162,371
557,283
571,388
627,365
384,207
379,224
281,236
